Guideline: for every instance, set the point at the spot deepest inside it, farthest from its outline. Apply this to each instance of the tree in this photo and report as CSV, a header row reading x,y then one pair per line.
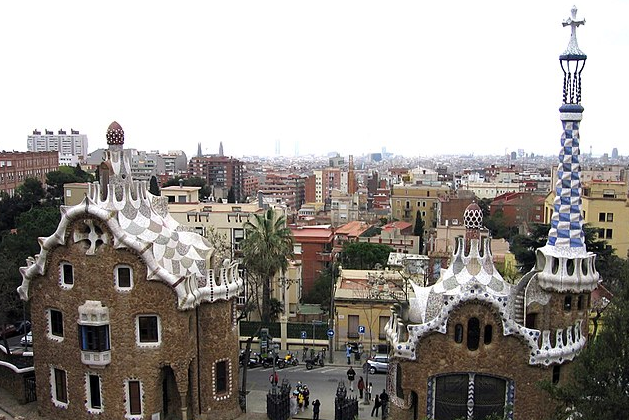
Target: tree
x,y
15,248
498,227
231,195
266,248
364,255
65,175
31,191
599,379
153,187
418,230
524,246
322,289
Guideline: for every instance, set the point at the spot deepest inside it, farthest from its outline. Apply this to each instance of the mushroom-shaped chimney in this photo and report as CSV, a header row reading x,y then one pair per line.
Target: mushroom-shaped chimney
x,y
115,135
473,220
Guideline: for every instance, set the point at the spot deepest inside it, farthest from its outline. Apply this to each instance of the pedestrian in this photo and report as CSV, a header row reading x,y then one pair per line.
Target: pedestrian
x,y
384,401
369,391
306,393
315,409
376,406
300,401
348,353
361,387
351,374
293,404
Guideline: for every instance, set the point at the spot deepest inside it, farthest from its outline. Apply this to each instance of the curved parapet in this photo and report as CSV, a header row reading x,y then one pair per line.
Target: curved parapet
x,y
566,273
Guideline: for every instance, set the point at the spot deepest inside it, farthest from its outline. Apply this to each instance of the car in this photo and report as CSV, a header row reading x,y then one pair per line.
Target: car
x,y
378,363
27,340
7,330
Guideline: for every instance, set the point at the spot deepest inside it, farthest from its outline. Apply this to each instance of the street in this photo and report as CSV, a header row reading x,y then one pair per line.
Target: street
x,y
322,382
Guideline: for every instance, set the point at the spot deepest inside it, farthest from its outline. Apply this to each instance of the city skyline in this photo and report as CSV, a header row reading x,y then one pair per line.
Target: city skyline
x,y
351,78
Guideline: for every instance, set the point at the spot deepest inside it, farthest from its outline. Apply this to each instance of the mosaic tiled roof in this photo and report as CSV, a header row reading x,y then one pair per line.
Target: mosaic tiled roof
x,y
140,221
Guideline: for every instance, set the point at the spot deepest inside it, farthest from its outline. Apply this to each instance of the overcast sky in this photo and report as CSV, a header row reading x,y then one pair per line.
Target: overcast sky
x,y
416,77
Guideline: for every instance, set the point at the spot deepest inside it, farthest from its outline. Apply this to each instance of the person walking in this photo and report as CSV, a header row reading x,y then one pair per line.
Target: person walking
x,y
315,409
384,401
376,406
361,387
369,391
348,353
351,375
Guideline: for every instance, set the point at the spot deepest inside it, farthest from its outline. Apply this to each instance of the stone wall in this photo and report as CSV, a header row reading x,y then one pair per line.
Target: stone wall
x,y
94,280
505,356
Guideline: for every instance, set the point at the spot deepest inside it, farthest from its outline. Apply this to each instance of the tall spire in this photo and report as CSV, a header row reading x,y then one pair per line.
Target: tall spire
x,y
567,221
220,149
199,152
564,263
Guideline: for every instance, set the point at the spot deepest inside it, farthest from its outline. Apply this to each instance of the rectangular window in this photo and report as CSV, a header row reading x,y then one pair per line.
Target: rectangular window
x,y
94,390
94,338
135,399
67,273
56,323
352,326
601,217
61,385
608,233
124,277
610,217
221,377
382,321
148,329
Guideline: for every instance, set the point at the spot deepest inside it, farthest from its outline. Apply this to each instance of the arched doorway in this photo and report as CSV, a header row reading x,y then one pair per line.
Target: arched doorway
x,y
171,400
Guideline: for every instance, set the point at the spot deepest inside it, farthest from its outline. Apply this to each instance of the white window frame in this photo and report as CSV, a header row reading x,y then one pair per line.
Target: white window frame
x,y
53,388
117,284
88,394
137,332
62,280
127,402
54,337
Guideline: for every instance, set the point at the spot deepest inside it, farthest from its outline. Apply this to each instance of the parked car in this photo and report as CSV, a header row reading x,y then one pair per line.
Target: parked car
x,y
7,330
378,363
23,327
27,340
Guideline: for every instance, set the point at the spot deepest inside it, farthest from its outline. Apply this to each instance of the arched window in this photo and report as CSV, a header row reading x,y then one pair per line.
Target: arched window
x,y
473,333
567,303
458,333
488,334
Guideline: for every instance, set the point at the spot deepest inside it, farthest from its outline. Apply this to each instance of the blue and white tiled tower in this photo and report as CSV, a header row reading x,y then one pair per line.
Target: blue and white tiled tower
x,y
564,262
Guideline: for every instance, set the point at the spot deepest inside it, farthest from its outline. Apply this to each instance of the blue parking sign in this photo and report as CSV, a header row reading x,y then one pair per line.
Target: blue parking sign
x,y
361,329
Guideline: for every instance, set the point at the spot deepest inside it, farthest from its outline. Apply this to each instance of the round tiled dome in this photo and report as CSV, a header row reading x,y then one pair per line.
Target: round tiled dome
x,y
115,134
473,216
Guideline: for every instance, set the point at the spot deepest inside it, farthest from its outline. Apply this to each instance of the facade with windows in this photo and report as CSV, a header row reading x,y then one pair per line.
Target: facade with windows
x,y
16,167
67,144
605,208
128,307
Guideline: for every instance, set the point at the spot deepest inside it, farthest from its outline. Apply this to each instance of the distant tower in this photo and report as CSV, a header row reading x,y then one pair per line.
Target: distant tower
x,y
614,153
220,149
565,264
351,178
199,152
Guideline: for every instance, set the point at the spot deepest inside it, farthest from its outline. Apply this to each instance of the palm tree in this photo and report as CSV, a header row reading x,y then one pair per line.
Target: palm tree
x,y
266,248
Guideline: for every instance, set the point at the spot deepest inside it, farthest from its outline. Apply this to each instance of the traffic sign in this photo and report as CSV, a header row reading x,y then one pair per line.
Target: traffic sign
x,y
304,334
361,329
330,333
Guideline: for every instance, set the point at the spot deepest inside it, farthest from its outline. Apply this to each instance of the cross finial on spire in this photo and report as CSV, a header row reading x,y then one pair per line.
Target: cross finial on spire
x,y
573,47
